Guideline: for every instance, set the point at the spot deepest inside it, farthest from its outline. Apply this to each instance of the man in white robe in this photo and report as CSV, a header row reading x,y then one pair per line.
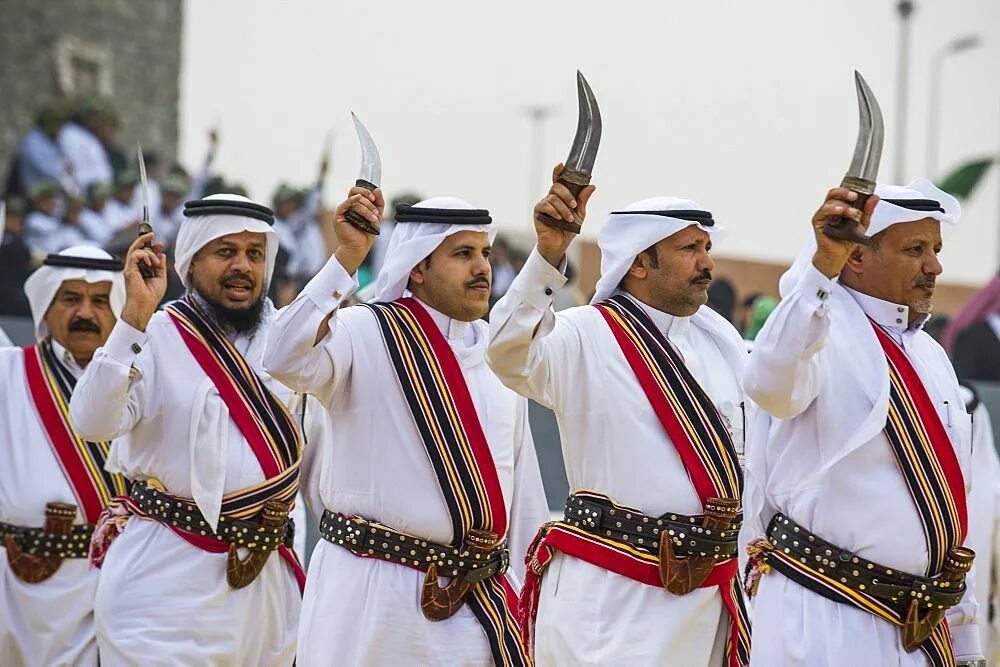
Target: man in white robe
x,y
826,460
74,299
170,594
655,257
376,466
46,232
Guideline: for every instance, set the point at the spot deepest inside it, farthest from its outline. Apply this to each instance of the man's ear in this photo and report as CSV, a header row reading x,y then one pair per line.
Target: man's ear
x,y
417,274
856,260
640,267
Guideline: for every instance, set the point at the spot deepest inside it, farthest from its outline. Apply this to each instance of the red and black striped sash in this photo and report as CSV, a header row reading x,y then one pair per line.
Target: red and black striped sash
x,y
696,430
438,397
50,385
261,417
925,455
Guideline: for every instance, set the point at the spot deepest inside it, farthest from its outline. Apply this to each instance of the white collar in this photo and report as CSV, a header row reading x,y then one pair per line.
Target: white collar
x,y
892,316
451,328
671,326
67,359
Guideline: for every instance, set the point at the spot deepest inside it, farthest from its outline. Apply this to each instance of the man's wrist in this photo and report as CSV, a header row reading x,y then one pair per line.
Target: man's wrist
x,y
351,260
135,318
553,256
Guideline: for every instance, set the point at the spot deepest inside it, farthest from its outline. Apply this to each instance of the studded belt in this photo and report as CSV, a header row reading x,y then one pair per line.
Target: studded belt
x,y
602,517
185,515
39,542
888,585
370,539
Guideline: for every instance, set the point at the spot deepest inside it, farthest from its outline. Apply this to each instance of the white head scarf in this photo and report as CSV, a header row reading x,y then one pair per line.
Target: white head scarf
x,y
43,285
197,232
627,234
412,242
884,216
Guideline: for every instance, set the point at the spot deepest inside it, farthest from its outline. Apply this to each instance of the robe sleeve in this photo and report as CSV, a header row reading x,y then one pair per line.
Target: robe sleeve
x,y
527,340
783,373
292,357
107,400
529,508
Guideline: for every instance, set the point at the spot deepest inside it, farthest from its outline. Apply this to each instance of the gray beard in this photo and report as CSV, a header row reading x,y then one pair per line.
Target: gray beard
x,y
231,322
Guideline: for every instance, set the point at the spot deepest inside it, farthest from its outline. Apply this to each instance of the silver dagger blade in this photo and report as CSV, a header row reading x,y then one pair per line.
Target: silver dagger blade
x,y
3,218
871,132
371,163
583,153
143,183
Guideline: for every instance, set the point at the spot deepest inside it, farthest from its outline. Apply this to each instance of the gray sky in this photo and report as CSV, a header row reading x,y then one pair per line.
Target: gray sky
x,y
746,107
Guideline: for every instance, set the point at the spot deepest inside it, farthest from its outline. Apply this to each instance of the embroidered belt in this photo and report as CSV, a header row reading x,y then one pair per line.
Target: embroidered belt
x,y
368,539
258,536
35,554
689,537
891,586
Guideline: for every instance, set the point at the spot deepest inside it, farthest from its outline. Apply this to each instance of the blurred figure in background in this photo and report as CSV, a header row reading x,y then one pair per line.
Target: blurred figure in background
x,y
973,337
39,157
15,261
80,143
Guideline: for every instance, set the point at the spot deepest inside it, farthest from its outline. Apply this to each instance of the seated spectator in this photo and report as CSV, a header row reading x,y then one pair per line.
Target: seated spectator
x,y
120,212
15,261
46,231
80,143
92,216
39,157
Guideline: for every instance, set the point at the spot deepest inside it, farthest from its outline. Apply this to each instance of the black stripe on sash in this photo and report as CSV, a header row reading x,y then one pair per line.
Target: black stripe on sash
x,y
114,484
275,418
692,397
396,333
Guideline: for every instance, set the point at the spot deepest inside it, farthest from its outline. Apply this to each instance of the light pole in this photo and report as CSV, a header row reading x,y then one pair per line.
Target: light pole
x,y
537,114
904,8
958,45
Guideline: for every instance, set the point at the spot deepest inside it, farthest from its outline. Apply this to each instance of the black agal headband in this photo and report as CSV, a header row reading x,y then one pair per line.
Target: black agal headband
x,y
247,209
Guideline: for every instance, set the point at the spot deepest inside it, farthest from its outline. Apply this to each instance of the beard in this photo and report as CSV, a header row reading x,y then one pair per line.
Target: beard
x,y
235,320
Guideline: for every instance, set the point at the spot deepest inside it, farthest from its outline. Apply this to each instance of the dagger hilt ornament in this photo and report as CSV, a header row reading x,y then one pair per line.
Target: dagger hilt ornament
x,y
357,219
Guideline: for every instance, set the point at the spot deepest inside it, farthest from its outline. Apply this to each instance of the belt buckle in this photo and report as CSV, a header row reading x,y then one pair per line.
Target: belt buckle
x,y
359,534
491,569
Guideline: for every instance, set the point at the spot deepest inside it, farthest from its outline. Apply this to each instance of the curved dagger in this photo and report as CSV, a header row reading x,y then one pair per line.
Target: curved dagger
x,y
370,175
144,227
862,173
583,152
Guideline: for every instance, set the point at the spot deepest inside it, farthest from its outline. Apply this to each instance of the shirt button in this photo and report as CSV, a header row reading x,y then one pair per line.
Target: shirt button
x,y
548,291
899,321
899,309
135,348
336,294
822,294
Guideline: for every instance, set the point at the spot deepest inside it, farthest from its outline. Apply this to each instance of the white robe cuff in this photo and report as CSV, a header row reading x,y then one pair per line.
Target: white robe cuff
x,y
965,641
816,289
124,343
538,281
331,286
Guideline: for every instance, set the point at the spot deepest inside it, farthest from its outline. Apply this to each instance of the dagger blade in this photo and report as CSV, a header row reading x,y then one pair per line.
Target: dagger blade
x,y
371,162
871,133
143,183
583,152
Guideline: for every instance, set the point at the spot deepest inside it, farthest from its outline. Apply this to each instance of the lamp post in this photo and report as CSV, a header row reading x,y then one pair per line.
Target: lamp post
x,y
905,9
964,43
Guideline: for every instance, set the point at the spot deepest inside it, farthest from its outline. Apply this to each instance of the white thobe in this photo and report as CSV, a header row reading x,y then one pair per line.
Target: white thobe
x,y
825,462
86,154
360,611
95,226
118,214
40,158
613,442
984,529
162,600
52,622
48,234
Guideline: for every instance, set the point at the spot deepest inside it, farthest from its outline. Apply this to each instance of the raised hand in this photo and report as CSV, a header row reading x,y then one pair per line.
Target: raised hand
x,y
559,203
354,244
832,254
142,294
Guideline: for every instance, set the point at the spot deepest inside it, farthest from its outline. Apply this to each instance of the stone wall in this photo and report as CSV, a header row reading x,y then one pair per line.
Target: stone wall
x,y
128,50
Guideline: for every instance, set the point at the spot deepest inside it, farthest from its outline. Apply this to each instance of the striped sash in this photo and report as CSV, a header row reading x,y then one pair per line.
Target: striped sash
x,y
438,397
705,446
261,417
50,385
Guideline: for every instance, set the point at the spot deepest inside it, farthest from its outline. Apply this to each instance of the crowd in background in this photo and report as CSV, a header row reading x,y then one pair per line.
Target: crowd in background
x,y
70,182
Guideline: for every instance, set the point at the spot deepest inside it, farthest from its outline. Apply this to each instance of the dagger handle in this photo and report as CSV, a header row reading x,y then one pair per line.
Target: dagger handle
x,y
844,228
575,181
355,219
145,269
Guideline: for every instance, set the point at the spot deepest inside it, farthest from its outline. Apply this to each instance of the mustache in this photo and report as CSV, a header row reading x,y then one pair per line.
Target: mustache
x,y
705,275
85,325
476,282
925,281
235,276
